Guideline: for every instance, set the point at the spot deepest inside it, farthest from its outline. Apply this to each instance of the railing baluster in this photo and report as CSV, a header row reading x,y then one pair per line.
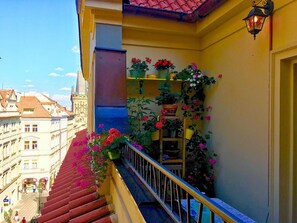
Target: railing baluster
x,y
188,208
200,210
156,178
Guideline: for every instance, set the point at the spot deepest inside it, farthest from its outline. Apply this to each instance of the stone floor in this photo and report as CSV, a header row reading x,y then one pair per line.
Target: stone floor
x,y
28,205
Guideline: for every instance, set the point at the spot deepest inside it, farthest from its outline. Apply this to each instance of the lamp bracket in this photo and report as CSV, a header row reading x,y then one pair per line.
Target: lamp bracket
x,y
268,6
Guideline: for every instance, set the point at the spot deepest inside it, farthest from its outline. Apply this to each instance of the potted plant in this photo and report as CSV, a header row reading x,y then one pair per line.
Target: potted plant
x,y
96,151
163,66
174,127
139,67
192,95
153,125
167,99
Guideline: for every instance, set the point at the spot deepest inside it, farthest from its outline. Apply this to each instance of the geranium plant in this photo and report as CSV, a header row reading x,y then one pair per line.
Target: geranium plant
x,y
138,64
163,64
94,154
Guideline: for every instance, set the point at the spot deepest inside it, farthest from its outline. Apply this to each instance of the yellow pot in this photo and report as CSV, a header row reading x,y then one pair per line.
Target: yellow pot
x,y
189,133
155,135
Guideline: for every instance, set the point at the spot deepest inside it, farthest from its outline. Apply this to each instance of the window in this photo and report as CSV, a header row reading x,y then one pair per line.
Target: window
x,y
27,145
34,128
26,164
34,164
5,151
34,144
27,128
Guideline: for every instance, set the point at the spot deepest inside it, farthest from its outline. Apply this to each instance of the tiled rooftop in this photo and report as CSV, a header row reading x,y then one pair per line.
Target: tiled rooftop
x,y
187,6
68,202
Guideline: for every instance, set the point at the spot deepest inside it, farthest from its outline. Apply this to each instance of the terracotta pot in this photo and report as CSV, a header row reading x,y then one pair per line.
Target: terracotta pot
x,y
170,109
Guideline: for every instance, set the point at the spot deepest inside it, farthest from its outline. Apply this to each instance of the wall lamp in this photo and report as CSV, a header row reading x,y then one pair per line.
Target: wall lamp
x,y
255,19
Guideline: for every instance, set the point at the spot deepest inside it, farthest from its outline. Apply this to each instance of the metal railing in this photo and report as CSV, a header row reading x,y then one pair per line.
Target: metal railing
x,y
171,191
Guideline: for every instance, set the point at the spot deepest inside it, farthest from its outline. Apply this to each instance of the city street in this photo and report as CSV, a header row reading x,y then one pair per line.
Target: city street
x,y
28,205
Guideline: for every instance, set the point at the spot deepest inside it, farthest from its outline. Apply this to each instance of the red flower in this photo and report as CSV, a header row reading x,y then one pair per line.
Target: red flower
x,y
144,118
148,60
159,125
133,60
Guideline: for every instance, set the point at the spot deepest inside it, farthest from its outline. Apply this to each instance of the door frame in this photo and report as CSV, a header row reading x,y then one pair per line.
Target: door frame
x,y
281,61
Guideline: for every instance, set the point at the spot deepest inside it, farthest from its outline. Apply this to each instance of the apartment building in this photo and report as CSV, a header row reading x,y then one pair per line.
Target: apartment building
x,y
10,146
45,139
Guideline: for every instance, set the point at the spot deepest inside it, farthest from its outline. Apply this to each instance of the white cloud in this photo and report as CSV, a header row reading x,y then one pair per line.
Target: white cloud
x,y
26,71
28,81
54,74
75,49
59,69
71,74
61,97
29,86
65,89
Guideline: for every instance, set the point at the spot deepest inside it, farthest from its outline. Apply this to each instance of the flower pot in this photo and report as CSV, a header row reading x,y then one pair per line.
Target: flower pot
x,y
155,135
137,73
163,73
170,109
114,155
172,133
189,133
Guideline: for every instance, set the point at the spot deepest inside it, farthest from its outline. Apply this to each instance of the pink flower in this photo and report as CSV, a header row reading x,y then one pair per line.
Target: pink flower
x,y
95,148
212,161
184,107
100,126
201,145
207,117
194,66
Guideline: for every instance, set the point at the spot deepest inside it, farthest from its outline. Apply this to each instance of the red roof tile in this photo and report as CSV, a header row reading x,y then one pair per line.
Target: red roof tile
x,y
187,6
68,202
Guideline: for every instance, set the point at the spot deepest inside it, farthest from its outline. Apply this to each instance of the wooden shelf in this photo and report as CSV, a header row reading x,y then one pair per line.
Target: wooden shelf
x,y
150,79
171,139
172,161
178,158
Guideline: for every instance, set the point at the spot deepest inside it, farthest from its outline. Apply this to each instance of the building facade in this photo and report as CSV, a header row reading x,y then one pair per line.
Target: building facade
x,y
45,139
79,101
10,147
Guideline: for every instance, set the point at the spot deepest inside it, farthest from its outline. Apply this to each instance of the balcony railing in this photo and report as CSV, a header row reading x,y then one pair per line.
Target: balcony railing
x,y
171,191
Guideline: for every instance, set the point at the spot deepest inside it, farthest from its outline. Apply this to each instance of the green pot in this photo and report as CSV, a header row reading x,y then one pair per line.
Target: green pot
x,y
137,73
163,73
114,155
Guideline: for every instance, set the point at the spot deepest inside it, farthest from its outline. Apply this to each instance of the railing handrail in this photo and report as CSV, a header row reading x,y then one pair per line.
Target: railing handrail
x,y
195,193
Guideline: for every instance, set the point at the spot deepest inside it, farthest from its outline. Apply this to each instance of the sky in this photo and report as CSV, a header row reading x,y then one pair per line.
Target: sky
x,y
39,47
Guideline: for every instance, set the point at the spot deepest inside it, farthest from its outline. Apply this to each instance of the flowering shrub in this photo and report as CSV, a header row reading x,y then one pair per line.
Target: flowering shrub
x,y
200,162
192,95
163,64
94,155
137,64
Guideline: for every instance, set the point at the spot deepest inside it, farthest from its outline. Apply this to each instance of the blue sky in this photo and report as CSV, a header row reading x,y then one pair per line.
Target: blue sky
x,y
39,47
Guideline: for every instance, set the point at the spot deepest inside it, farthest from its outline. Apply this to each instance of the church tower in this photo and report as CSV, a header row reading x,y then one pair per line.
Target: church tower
x,y
79,99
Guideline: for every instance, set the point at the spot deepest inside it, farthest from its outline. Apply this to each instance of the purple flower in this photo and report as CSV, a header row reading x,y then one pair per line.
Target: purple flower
x,y
207,117
201,145
212,161
194,66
